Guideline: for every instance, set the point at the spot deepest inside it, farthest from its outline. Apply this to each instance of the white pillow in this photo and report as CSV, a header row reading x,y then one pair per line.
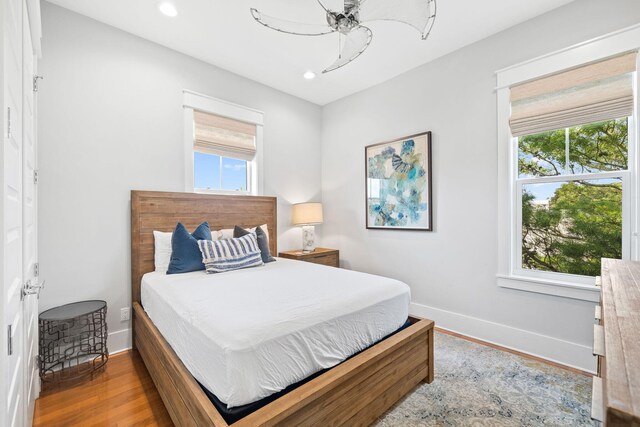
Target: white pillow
x,y
162,254
227,233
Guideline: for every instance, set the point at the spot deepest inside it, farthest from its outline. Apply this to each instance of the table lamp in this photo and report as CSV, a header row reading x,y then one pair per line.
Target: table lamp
x,y
307,215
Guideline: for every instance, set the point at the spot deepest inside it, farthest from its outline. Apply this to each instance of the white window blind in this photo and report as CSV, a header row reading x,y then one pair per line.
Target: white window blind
x,y
595,92
223,136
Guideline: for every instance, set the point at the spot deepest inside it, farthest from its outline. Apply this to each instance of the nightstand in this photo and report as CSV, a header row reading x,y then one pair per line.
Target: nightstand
x,y
324,256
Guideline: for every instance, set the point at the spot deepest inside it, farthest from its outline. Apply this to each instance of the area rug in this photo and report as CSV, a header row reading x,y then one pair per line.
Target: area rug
x,y
476,385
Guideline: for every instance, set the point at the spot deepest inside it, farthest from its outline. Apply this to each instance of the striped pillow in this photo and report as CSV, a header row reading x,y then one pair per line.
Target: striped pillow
x,y
219,256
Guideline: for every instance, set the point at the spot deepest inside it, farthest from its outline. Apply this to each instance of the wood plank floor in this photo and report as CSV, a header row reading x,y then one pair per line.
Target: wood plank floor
x,y
122,395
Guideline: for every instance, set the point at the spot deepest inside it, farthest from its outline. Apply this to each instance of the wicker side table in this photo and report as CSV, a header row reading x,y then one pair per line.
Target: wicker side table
x,y
73,341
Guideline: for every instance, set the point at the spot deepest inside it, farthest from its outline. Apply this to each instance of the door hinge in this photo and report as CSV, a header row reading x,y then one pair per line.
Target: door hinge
x,y
36,269
35,82
9,341
35,176
8,122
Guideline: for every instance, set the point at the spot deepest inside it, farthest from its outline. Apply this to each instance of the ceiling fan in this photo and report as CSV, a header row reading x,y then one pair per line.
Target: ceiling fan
x,y
420,14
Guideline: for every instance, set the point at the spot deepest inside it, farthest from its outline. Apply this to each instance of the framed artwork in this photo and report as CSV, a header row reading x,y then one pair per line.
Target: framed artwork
x,y
398,186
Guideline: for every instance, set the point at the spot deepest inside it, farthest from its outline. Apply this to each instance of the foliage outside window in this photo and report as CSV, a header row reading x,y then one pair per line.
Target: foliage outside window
x,y
570,186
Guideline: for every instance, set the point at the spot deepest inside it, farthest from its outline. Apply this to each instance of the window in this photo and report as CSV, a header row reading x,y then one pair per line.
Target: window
x,y
566,166
213,172
222,146
570,185
223,151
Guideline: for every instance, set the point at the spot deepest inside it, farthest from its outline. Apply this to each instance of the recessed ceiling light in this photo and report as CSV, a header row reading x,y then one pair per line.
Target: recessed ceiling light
x,y
168,9
309,75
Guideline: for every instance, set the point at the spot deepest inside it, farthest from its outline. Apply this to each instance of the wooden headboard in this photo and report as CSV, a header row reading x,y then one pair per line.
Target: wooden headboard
x,y
152,210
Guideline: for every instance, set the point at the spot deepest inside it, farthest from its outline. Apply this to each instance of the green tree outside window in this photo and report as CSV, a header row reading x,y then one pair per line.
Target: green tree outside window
x,y
580,221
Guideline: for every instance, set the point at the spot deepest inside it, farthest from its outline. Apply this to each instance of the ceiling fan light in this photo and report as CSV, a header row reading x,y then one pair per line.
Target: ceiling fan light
x,y
309,75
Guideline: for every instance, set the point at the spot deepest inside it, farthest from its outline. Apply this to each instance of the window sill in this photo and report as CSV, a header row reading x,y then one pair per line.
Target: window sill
x,y
577,291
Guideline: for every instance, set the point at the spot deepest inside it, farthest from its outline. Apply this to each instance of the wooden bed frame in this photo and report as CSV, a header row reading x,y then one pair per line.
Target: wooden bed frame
x,y
355,392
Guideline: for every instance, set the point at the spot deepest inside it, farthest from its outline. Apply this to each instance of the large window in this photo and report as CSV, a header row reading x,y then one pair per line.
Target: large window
x,y
570,186
222,146
567,166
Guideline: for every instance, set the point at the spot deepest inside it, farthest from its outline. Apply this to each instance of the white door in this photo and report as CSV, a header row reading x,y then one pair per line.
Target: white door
x,y
29,221
12,234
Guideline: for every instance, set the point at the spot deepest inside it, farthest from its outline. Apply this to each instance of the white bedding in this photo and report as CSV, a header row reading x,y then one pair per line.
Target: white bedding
x,y
249,333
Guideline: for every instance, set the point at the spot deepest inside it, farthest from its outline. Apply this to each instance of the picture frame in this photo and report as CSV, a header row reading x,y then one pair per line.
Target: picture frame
x,y
398,184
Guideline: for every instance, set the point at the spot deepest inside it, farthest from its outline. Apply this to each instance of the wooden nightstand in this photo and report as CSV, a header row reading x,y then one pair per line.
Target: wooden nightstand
x,y
324,256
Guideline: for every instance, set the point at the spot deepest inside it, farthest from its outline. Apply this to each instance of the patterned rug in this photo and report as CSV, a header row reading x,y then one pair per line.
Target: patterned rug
x,y
476,385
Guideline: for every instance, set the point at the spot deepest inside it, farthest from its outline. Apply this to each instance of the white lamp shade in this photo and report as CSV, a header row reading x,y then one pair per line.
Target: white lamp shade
x,y
307,213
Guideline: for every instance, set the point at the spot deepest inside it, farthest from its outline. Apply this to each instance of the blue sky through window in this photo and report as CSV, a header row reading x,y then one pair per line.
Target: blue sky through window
x,y
207,173
234,174
206,169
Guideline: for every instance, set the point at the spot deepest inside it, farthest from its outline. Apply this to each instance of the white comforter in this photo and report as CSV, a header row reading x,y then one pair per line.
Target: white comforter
x,y
249,333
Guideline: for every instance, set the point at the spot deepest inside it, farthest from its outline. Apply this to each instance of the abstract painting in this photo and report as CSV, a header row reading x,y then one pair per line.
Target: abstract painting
x,y
399,184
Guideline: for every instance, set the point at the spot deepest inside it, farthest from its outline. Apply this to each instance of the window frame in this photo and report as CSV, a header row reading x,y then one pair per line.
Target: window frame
x,y
510,272
516,232
196,101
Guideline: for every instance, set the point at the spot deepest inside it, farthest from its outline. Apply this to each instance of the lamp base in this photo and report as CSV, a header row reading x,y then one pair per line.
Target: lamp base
x,y
308,238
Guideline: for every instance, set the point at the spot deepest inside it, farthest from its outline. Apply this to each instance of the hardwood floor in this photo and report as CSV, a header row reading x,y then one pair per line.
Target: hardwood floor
x,y
122,395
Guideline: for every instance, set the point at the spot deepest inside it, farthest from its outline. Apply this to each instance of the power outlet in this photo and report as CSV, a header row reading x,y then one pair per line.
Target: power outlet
x,y
125,314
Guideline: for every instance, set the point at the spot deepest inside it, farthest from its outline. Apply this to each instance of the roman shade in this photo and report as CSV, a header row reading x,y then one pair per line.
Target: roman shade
x,y
594,92
224,136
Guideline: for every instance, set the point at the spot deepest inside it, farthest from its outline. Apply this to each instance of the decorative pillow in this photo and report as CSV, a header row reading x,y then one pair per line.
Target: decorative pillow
x,y
230,254
227,233
185,254
263,241
162,254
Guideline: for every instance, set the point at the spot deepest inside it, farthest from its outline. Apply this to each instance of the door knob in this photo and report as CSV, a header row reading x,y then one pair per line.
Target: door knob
x,y
30,288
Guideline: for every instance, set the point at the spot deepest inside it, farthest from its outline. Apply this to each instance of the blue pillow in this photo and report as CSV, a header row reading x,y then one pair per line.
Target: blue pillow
x,y
185,253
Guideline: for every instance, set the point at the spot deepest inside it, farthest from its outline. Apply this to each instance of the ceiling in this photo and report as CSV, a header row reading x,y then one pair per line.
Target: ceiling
x,y
224,34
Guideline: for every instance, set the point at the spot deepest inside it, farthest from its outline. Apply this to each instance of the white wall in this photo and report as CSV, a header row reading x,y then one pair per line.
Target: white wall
x,y
452,270
110,120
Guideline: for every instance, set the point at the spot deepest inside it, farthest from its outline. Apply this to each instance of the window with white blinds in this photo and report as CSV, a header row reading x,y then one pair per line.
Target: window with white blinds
x,y
223,136
591,93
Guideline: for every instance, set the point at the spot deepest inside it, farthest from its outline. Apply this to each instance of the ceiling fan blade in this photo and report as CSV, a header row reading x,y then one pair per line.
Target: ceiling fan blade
x,y
349,5
420,14
322,5
355,43
289,26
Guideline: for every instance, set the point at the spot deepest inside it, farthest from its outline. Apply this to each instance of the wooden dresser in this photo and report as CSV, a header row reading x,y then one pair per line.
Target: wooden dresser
x,y
616,389
322,256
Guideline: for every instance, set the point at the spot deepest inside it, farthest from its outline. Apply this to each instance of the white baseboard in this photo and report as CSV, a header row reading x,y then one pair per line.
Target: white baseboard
x,y
553,349
119,341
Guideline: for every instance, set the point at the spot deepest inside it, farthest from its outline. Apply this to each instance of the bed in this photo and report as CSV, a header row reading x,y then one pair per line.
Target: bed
x,y
355,392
